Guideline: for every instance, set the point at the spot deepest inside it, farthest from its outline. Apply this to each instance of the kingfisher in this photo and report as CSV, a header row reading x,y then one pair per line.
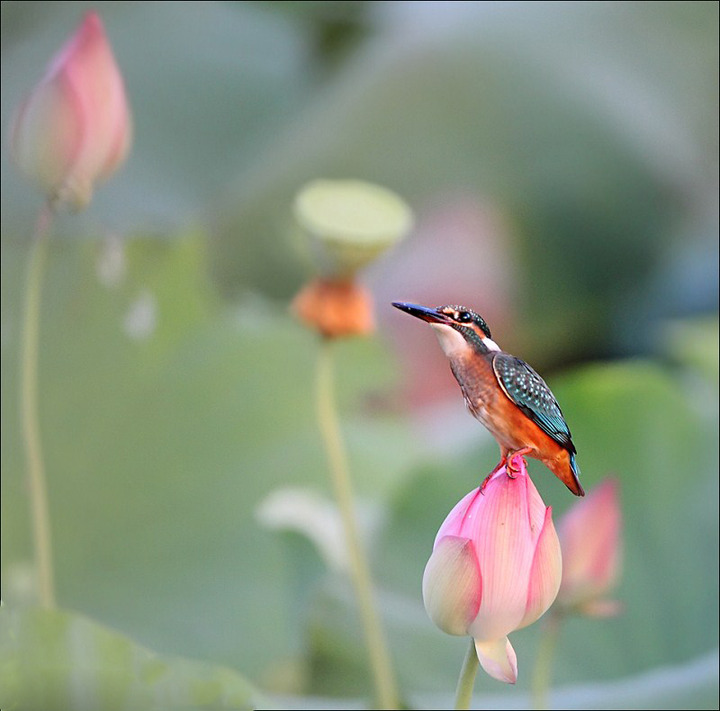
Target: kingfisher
x,y
504,393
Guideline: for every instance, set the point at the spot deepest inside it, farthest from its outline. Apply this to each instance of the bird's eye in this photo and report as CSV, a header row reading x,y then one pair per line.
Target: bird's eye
x,y
463,316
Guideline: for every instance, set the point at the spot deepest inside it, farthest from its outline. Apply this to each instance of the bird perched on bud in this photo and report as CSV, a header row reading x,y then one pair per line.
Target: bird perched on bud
x,y
503,392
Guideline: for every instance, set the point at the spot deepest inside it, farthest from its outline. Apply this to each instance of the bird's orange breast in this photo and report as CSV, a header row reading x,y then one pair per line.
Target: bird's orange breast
x,y
516,430
487,401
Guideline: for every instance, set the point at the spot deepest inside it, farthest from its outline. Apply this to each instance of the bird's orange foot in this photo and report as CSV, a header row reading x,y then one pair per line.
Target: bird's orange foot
x,y
500,465
512,469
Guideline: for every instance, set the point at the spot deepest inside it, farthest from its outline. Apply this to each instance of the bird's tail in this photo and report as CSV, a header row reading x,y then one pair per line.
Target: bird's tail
x,y
575,486
565,468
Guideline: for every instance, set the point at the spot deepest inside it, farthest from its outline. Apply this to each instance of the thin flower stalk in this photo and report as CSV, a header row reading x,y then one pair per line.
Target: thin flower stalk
x,y
542,673
466,682
30,424
379,657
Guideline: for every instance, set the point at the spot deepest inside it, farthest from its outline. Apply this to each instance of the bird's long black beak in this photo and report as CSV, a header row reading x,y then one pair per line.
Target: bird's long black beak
x,y
421,312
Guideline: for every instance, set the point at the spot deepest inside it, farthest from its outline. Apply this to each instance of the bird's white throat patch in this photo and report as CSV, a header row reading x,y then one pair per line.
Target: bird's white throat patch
x,y
450,340
453,343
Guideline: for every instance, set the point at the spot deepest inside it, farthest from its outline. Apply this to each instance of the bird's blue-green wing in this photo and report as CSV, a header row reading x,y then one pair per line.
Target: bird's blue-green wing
x,y
531,394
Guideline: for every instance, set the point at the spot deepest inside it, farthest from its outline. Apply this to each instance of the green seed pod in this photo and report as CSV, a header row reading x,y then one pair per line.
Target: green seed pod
x,y
349,223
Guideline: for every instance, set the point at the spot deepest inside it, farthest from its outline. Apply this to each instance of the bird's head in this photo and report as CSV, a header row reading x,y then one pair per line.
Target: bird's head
x,y
458,328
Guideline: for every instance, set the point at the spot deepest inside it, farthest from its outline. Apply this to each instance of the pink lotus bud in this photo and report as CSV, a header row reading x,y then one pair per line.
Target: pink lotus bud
x,y
590,539
74,129
495,568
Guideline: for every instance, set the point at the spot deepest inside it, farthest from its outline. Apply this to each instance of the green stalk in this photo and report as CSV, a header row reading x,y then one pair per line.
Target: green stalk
x,y
385,687
29,413
542,673
466,682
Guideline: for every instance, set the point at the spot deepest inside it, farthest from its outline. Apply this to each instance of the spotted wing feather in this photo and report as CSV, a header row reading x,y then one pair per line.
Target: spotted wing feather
x,y
530,393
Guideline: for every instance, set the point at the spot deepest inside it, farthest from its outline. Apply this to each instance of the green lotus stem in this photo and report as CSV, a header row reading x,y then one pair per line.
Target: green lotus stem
x,y
380,664
29,409
466,682
542,673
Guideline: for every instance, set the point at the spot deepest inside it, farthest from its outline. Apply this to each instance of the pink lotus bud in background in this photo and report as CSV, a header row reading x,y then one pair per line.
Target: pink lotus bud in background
x,y
74,129
495,567
590,539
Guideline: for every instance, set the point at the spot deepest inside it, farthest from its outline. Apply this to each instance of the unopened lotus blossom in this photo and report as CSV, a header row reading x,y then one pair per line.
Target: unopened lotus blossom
x,y
495,567
590,540
74,129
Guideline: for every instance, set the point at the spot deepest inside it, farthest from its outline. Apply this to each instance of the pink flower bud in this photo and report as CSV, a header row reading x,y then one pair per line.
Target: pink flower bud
x,y
590,539
74,129
495,568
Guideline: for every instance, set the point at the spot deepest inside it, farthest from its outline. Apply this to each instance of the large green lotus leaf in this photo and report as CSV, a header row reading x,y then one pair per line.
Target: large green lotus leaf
x,y
695,343
684,686
569,131
56,660
166,419
636,421
209,85
563,119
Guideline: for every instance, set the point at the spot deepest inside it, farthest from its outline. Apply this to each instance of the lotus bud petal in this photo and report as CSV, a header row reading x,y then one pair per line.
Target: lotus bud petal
x,y
498,659
452,587
590,539
545,574
495,567
74,129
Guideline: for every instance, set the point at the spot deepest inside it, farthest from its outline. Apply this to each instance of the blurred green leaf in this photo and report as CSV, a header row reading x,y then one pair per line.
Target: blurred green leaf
x,y
164,427
569,132
682,686
56,660
694,343
561,119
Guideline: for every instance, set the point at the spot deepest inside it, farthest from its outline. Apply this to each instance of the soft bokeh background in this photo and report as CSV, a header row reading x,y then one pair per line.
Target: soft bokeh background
x,y
561,160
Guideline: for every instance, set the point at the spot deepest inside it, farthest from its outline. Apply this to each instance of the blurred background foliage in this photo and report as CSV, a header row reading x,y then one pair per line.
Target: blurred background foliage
x,y
561,160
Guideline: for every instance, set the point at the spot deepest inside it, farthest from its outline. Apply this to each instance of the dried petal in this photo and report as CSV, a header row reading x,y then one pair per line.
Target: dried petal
x,y
335,308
